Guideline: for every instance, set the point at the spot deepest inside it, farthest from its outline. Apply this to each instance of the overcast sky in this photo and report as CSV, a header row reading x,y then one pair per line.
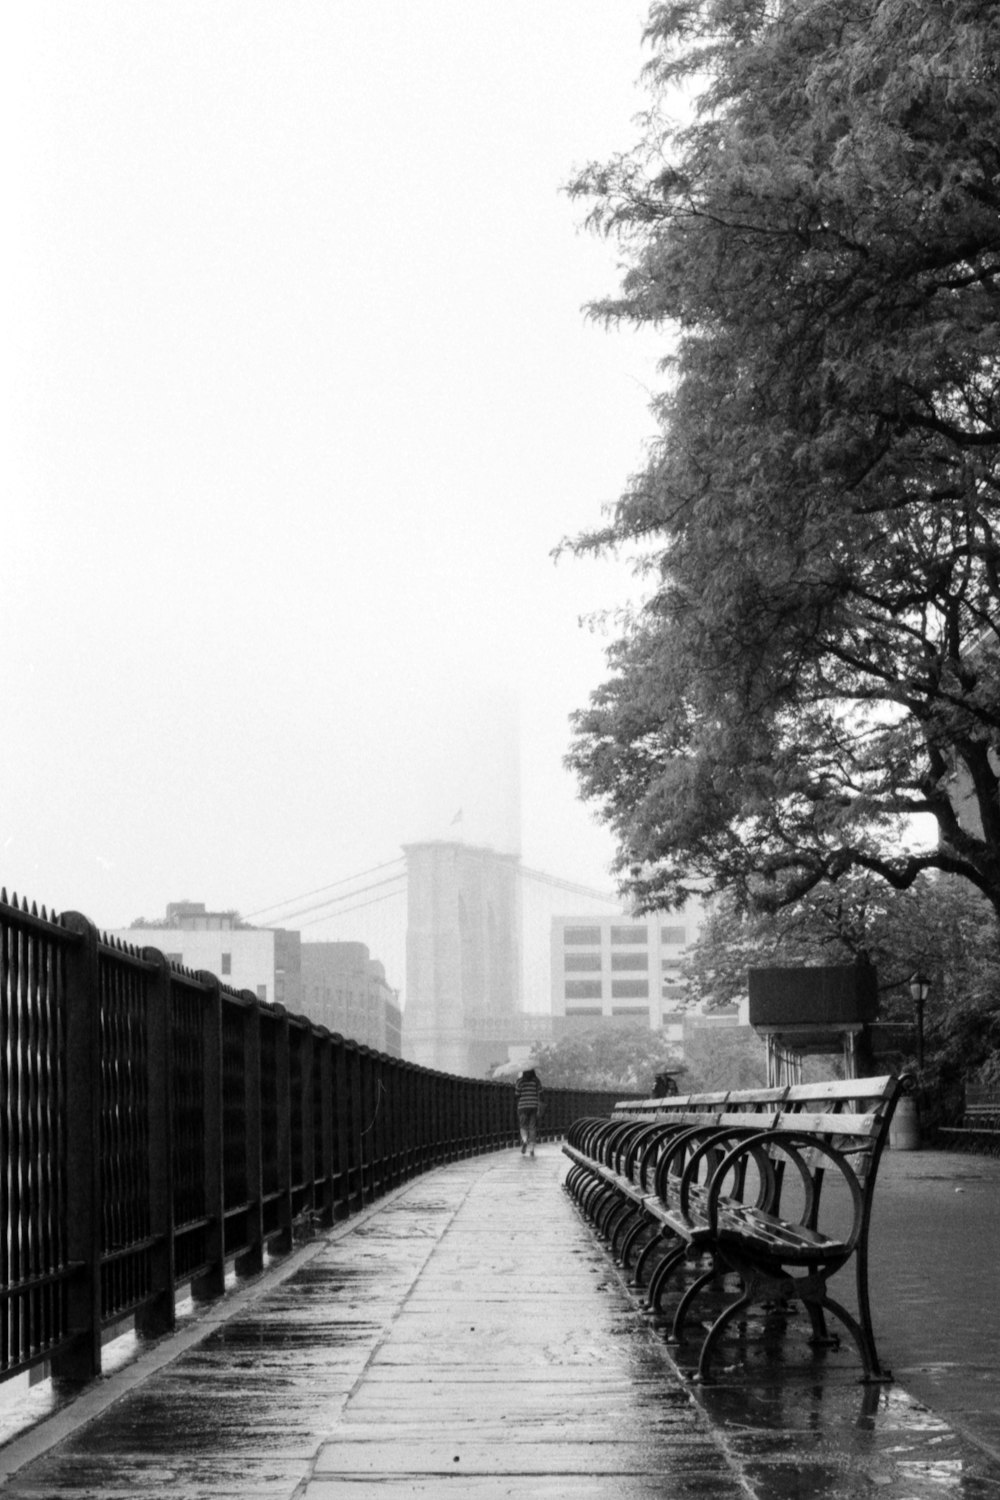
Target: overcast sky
x,y
301,397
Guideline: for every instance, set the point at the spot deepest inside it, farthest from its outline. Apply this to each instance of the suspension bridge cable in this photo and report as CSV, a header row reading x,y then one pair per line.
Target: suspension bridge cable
x,y
570,885
607,897
332,916
361,890
372,870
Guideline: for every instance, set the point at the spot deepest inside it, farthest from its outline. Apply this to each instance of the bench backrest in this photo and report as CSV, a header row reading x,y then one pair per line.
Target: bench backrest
x,y
853,1113
981,1103
850,1106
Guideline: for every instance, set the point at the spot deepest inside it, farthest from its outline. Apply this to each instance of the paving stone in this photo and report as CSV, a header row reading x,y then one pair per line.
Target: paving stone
x,y
711,1486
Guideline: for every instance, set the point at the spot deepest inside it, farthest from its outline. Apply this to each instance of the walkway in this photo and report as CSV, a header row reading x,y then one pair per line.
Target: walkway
x,y
467,1337
936,1283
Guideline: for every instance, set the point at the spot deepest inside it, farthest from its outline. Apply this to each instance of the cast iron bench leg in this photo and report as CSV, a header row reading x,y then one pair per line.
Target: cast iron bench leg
x,y
656,1243
628,1243
677,1328
661,1276
721,1323
862,1337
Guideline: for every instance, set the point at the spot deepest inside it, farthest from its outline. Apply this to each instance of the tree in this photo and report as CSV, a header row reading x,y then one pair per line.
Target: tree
x,y
724,1057
940,925
607,1057
816,660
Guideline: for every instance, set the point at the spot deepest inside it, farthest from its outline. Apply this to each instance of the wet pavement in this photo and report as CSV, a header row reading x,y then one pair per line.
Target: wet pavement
x,y
935,1278
468,1336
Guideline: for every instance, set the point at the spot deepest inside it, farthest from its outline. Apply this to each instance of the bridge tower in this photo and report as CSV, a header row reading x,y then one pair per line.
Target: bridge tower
x,y
463,955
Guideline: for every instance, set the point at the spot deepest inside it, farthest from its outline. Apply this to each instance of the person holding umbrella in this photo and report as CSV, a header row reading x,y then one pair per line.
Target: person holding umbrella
x,y
528,1094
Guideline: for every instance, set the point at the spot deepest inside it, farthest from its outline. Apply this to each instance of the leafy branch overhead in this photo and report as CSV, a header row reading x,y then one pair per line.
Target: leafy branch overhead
x,y
816,660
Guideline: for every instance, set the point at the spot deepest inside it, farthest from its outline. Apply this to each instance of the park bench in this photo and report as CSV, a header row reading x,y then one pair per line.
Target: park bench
x,y
773,1185
980,1127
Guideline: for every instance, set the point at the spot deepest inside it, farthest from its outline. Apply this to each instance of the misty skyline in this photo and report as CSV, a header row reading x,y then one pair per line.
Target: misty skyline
x,y
300,400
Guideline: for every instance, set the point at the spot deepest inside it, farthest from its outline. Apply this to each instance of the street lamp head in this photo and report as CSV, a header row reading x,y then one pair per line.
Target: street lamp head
x,y
919,985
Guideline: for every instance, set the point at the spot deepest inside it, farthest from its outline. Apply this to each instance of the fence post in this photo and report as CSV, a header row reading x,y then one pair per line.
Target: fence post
x,y
212,1280
428,1114
158,1315
282,1239
410,1123
395,1123
496,1117
80,1360
252,1258
470,1112
439,1106
342,1130
307,1043
355,1157
456,1134
364,1146
368,1121
328,1167
375,1123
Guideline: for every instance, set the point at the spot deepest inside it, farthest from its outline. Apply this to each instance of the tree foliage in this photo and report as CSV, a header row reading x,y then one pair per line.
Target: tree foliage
x,y
940,926
816,659
606,1057
724,1057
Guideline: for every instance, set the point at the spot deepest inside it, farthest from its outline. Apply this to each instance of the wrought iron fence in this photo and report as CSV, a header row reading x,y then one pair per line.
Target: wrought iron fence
x,y
158,1128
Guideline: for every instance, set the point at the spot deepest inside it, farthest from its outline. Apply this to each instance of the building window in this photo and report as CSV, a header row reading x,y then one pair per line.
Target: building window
x,y
584,1010
262,992
673,935
634,935
227,963
630,989
583,989
582,937
630,960
583,963
631,1010
174,958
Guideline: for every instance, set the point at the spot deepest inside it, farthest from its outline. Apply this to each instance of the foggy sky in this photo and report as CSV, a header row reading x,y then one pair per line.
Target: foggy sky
x,y
300,397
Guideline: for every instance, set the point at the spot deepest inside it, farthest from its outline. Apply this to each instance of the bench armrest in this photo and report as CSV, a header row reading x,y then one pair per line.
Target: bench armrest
x,y
792,1144
688,1159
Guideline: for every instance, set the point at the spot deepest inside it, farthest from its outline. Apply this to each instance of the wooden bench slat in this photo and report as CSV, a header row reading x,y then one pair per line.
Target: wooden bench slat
x,y
829,1124
980,1127
845,1088
837,1088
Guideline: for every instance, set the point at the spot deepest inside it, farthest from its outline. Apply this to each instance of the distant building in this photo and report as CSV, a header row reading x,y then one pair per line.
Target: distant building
x,y
264,960
622,969
337,985
345,989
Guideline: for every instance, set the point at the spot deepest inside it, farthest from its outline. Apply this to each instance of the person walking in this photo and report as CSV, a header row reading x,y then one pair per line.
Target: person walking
x,y
528,1094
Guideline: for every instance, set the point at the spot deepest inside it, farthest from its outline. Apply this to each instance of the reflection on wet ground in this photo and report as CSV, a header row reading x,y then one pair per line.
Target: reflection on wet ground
x,y
471,1338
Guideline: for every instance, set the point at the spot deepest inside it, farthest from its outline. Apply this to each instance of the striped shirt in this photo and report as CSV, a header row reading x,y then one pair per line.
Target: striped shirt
x,y
529,1093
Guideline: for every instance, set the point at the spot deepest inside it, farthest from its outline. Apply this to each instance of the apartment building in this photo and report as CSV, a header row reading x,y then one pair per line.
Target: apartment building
x,y
337,985
346,990
620,968
264,960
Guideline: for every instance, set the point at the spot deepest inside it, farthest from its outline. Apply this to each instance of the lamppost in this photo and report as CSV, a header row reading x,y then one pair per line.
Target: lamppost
x,y
919,988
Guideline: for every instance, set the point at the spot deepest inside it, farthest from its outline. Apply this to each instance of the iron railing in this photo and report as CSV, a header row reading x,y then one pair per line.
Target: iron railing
x,y
158,1129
